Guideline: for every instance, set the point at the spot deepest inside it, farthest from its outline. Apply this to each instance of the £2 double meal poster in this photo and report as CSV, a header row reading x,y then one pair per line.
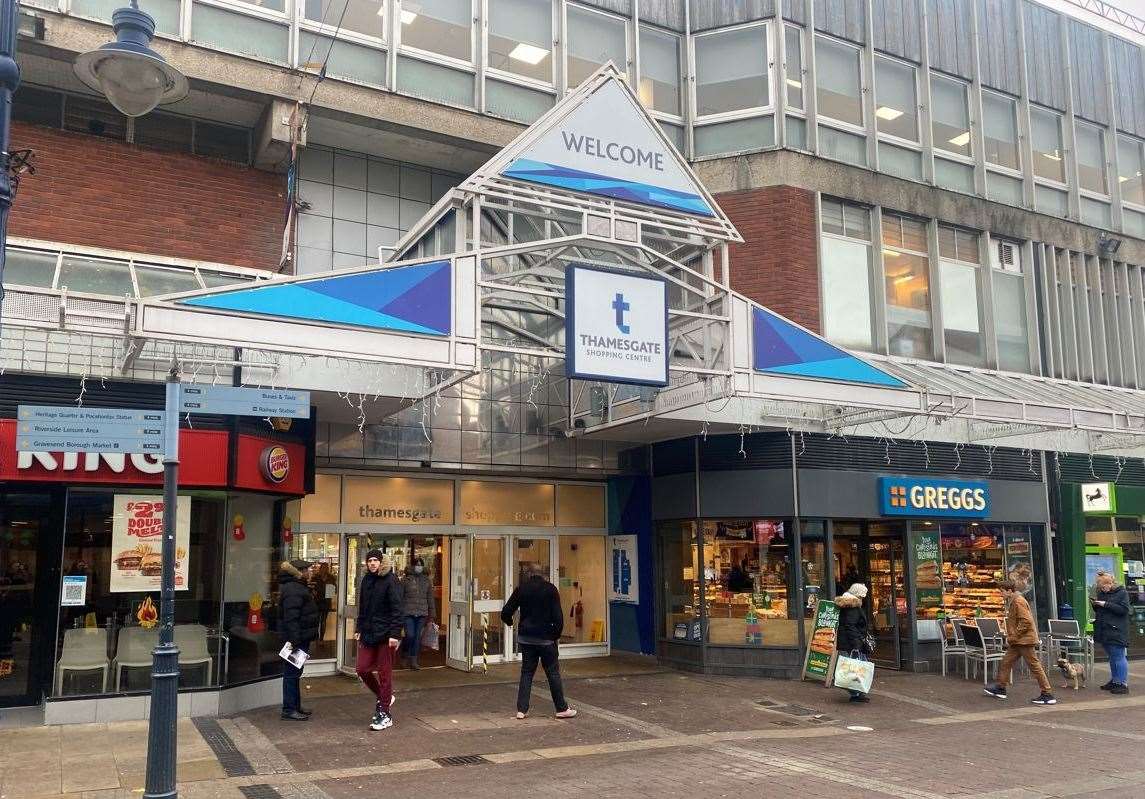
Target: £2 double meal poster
x,y
137,543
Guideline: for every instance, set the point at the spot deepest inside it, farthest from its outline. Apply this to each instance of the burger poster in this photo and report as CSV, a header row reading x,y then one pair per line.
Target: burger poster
x,y
137,543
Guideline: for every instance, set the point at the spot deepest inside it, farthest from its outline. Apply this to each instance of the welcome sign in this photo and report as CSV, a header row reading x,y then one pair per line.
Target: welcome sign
x,y
608,146
616,327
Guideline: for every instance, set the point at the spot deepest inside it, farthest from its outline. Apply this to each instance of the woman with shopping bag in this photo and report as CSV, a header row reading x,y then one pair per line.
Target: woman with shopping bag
x,y
853,669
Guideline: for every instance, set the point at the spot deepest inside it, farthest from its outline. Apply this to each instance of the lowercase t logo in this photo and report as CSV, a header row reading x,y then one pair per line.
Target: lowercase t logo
x,y
621,306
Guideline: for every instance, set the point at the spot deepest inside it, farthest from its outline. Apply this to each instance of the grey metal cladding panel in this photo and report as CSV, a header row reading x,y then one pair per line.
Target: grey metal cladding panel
x,y
746,493
615,6
896,28
707,14
674,496
843,18
949,29
998,48
1128,85
665,13
1087,61
795,11
1045,60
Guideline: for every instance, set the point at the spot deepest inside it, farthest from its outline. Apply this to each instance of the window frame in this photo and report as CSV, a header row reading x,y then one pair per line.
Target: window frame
x,y
249,8
566,7
1141,155
933,312
980,295
380,42
1015,104
1034,152
283,19
864,86
681,72
1024,274
700,120
875,303
1080,124
512,77
941,152
892,138
789,109
419,54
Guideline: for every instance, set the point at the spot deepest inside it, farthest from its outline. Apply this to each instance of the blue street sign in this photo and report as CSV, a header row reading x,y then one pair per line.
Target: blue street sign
x,y
237,401
65,428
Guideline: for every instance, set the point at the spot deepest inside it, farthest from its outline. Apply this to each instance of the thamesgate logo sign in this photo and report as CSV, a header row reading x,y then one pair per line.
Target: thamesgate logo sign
x,y
616,327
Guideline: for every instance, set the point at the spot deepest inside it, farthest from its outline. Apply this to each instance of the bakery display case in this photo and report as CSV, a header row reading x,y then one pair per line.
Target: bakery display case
x,y
973,562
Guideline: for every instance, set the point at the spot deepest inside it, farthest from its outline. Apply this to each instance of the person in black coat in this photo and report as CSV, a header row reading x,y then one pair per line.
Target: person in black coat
x,y
379,633
1111,630
853,626
298,625
538,631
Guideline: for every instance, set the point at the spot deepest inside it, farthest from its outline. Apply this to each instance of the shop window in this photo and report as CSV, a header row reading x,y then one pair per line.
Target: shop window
x,y
896,105
322,549
838,81
748,585
1089,141
581,585
1130,169
907,268
679,580
958,265
360,16
660,71
122,575
25,524
846,265
594,39
1000,129
972,566
521,38
1046,140
950,115
731,71
439,26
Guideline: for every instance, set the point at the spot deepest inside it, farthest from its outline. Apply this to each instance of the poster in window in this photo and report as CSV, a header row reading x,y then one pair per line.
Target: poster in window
x,y
137,543
624,586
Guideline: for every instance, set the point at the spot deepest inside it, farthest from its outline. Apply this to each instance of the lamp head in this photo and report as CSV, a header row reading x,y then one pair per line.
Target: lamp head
x,y
132,76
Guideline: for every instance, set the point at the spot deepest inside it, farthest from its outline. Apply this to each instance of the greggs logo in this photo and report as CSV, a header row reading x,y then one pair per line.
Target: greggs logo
x,y
903,496
275,463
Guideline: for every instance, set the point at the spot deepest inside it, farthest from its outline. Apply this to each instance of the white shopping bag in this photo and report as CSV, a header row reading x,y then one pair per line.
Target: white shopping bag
x,y
853,674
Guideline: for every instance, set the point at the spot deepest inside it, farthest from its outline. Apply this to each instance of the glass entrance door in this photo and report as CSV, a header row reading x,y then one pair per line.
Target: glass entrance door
x,y
527,553
890,607
489,597
460,597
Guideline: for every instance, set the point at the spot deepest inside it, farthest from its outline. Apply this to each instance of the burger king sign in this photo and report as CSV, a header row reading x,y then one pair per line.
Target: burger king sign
x,y
275,463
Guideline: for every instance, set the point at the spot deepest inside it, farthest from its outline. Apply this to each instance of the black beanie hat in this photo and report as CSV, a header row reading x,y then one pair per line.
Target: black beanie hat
x,y
376,553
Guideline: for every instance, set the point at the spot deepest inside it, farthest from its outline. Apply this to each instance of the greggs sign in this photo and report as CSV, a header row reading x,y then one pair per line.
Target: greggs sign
x,y
908,496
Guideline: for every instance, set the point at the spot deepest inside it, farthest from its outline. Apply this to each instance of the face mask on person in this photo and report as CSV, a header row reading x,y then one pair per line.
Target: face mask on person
x,y
418,569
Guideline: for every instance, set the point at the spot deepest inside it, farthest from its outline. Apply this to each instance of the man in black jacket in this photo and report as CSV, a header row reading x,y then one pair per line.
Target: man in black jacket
x,y
538,631
298,625
1111,629
379,632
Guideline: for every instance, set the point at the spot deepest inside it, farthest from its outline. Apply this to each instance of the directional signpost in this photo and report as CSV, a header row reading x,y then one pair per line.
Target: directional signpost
x,y
50,428
232,400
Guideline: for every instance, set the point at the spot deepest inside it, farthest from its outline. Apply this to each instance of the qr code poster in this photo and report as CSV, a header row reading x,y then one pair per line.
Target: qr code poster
x,y
75,590
137,543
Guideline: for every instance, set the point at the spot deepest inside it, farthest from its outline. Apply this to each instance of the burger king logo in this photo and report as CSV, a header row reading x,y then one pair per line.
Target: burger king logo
x,y
275,463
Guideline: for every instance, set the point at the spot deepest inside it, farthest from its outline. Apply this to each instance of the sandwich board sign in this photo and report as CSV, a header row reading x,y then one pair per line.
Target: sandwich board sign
x,y
819,659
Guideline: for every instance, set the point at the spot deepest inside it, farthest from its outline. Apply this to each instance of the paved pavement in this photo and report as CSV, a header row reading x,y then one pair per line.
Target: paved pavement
x,y
641,731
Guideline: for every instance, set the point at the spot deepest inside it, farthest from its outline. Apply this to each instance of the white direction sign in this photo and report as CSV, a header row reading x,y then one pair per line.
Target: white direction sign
x,y
237,401
65,428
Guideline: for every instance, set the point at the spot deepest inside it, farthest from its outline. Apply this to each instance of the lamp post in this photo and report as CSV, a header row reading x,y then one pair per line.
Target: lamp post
x,y
135,79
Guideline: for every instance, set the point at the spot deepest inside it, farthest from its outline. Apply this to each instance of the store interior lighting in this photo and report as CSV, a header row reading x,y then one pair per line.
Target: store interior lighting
x,y
887,113
407,17
795,84
961,139
529,53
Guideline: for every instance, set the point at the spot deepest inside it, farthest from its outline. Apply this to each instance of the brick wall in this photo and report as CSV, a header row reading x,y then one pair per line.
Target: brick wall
x,y
99,192
776,264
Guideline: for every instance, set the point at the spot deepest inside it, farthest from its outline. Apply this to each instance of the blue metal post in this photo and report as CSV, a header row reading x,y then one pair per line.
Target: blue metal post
x,y
9,81
162,734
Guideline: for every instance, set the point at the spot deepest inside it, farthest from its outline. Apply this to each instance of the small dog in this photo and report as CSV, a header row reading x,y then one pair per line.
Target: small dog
x,y
1074,672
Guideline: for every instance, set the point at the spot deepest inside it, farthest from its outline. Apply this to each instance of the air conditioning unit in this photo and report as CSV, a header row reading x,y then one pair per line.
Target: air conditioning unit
x,y
1006,256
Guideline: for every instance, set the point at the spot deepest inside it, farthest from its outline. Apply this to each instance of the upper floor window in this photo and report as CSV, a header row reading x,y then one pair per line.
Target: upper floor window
x,y
1010,321
959,259
1130,166
793,53
1046,142
896,106
359,16
521,38
594,39
1000,129
907,267
1089,144
838,81
950,115
444,27
660,71
731,71
845,257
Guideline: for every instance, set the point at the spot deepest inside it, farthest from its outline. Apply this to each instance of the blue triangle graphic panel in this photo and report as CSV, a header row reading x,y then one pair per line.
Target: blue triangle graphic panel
x,y
386,299
781,347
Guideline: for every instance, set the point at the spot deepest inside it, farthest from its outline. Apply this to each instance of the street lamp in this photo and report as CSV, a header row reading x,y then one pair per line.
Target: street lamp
x,y
132,76
135,79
